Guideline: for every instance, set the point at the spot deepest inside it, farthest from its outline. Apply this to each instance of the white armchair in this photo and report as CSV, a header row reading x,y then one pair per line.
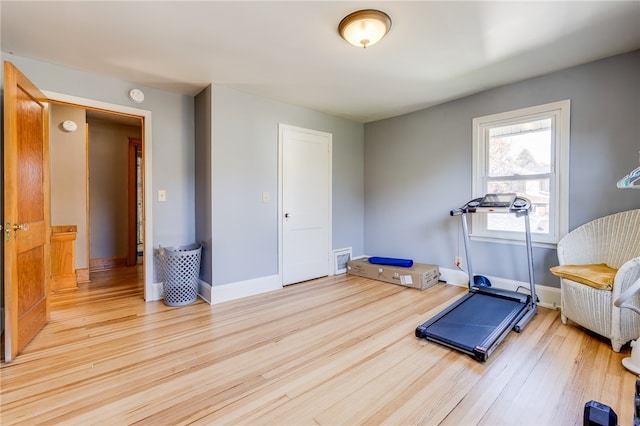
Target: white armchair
x,y
614,240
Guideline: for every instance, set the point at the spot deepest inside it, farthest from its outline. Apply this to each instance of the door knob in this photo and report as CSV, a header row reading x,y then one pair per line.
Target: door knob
x,y
21,227
287,216
15,227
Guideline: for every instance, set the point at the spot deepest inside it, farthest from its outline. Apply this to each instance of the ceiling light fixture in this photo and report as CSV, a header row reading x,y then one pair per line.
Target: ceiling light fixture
x,y
364,27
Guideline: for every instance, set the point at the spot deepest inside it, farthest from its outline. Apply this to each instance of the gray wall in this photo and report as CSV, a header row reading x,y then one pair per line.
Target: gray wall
x,y
418,166
415,167
172,117
68,158
244,164
203,202
108,187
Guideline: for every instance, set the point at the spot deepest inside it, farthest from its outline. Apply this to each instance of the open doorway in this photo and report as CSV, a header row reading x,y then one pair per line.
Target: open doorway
x,y
97,187
113,194
142,120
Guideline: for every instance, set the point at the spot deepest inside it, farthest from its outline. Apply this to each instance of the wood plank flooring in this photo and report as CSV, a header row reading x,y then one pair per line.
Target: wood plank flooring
x,y
334,351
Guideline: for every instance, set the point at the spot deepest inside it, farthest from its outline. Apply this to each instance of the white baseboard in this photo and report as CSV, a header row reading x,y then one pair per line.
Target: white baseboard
x,y
204,291
454,277
549,297
232,291
157,292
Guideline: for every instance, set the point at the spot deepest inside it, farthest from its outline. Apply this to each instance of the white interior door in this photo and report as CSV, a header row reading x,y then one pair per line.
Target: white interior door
x,y
305,204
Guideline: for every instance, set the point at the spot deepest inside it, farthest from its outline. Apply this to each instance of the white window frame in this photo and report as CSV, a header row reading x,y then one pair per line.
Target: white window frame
x,y
560,113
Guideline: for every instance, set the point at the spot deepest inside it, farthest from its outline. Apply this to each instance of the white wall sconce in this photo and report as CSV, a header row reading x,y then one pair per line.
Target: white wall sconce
x,y
364,27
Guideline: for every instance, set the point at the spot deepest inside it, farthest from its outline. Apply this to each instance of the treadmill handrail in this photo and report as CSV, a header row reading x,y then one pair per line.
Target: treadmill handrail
x,y
470,207
466,208
523,209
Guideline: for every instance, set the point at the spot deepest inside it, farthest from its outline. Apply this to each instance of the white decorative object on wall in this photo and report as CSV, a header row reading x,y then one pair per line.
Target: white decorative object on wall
x,y
136,96
69,126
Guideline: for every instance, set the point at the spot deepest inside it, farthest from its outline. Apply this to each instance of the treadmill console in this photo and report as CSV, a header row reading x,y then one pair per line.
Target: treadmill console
x,y
496,203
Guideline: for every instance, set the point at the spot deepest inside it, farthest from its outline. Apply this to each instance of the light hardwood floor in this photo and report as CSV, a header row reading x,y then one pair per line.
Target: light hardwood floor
x,y
334,351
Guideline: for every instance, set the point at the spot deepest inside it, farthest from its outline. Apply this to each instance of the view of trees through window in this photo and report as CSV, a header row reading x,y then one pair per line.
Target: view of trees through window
x,y
519,160
524,151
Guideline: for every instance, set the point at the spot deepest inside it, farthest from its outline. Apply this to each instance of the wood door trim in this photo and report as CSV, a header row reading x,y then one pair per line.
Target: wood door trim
x,y
86,277
132,225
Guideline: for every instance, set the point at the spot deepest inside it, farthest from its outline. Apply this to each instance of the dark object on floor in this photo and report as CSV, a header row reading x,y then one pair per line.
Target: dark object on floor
x,y
636,411
481,281
596,414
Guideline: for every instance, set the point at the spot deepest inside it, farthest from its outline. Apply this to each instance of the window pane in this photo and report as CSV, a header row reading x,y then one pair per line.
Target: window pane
x,y
520,149
537,191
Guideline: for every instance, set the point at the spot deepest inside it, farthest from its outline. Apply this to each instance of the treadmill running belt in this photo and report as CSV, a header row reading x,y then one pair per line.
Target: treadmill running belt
x,y
473,321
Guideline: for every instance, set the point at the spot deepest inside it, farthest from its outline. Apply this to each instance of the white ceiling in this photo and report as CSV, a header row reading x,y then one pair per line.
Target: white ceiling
x,y
291,51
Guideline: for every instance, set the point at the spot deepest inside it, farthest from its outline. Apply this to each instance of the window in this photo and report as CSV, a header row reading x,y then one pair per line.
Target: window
x,y
526,152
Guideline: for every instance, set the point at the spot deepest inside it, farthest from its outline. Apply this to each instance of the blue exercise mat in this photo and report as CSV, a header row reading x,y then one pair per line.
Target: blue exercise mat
x,y
407,263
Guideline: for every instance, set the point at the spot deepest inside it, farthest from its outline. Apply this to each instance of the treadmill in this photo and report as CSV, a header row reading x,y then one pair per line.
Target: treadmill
x,y
478,322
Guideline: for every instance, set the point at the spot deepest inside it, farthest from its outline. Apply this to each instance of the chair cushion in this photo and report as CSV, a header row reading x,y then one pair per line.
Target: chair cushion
x,y
598,276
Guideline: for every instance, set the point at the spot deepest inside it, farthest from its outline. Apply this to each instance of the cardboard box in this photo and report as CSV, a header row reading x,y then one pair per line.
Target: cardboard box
x,y
420,275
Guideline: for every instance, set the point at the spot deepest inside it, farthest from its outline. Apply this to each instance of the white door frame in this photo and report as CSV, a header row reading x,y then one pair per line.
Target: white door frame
x,y
281,129
149,293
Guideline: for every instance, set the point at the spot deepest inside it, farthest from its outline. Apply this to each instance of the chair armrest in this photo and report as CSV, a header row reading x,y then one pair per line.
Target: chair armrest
x,y
626,278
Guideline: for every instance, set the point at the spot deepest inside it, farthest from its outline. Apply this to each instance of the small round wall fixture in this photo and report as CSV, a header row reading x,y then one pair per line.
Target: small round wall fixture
x,y
136,96
69,126
364,28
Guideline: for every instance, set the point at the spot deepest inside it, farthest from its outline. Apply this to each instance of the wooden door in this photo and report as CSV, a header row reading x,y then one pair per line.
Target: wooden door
x,y
26,210
306,204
